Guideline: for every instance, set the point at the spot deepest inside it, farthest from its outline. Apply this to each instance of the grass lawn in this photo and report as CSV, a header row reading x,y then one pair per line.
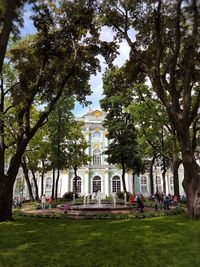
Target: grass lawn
x,y
165,241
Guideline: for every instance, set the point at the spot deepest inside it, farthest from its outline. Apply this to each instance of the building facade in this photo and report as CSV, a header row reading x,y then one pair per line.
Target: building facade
x,y
101,176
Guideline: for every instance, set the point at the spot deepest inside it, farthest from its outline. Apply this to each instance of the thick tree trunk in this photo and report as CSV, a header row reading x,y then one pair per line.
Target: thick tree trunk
x,y
123,177
151,174
191,180
36,185
7,184
191,184
57,179
25,171
6,198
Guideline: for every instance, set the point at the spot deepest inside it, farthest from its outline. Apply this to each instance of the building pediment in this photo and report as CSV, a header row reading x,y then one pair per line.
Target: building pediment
x,y
94,115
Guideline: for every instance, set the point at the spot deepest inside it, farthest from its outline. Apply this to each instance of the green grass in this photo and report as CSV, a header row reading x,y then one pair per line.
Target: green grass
x,y
166,241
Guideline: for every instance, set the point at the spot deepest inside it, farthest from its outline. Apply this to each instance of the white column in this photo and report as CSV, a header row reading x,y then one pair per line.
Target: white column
x,y
86,182
87,138
64,183
106,182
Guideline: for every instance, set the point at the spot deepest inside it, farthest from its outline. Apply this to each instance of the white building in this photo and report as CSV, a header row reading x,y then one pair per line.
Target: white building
x,y
101,176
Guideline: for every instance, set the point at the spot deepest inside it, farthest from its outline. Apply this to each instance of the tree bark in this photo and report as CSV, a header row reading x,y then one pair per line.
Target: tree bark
x,y
36,185
151,173
191,182
57,179
191,185
133,174
123,177
163,175
42,179
26,175
176,163
75,180
53,185
6,198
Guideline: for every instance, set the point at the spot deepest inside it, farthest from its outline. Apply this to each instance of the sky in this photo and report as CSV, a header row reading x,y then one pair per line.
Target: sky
x,y
96,80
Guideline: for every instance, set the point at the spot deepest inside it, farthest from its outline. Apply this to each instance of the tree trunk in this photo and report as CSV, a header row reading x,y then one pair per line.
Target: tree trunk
x,y
133,174
75,180
191,184
163,175
25,171
176,163
53,185
191,180
151,173
6,198
164,182
57,179
123,177
42,179
36,185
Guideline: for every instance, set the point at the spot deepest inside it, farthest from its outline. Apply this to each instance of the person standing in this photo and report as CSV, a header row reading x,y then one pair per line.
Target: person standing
x,y
50,202
140,202
43,202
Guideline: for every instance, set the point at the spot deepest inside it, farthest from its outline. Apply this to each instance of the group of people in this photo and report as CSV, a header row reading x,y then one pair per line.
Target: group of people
x,y
44,201
48,203
164,201
161,201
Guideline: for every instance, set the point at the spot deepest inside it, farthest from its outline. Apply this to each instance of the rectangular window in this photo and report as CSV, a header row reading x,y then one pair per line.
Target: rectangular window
x,y
144,189
116,186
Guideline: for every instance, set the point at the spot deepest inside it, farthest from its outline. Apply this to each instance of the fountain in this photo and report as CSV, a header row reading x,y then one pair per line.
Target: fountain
x,y
92,210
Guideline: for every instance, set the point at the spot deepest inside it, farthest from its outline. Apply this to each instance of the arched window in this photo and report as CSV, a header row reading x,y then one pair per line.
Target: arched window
x,y
143,184
158,184
48,182
96,185
116,184
171,183
96,135
97,157
78,184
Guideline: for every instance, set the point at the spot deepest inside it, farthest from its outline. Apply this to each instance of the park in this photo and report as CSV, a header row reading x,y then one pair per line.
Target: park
x,y
99,133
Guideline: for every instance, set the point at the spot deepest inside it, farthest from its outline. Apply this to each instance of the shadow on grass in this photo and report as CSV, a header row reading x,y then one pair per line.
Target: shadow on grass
x,y
164,241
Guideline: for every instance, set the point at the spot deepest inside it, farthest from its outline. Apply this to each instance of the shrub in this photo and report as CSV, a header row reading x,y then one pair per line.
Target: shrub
x,y
69,196
120,195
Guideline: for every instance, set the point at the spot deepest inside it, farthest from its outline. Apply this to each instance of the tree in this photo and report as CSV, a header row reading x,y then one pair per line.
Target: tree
x,y
76,146
166,50
59,124
45,69
123,147
155,134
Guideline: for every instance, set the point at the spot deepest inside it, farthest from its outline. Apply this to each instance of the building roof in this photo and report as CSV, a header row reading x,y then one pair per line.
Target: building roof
x,y
94,113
